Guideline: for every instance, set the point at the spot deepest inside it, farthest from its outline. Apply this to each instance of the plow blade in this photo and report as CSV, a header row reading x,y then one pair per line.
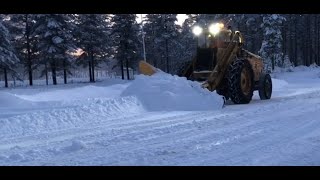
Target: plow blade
x,y
146,68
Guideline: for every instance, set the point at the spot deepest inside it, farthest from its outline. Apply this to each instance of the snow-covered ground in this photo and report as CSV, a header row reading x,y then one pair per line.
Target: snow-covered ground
x,y
161,120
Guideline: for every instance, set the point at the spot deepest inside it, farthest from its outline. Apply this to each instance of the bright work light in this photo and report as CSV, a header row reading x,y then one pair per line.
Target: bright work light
x,y
215,28
197,30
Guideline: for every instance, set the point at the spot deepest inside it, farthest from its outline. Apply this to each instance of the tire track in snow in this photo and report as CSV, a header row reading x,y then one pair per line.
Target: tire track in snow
x,y
269,145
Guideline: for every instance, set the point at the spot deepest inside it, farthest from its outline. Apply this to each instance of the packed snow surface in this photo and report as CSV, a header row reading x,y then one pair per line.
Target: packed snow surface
x,y
161,120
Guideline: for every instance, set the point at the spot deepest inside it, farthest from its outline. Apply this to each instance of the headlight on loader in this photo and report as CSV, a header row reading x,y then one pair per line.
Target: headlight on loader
x,y
197,30
215,28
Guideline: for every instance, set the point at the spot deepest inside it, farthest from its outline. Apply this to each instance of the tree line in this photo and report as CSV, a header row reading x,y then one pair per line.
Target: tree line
x,y
52,42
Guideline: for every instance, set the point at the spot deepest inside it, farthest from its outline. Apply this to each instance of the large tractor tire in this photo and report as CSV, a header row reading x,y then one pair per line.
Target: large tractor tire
x,y
223,93
265,86
223,88
240,81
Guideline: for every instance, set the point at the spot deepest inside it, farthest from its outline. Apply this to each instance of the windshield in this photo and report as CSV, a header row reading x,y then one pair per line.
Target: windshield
x,y
206,41
203,41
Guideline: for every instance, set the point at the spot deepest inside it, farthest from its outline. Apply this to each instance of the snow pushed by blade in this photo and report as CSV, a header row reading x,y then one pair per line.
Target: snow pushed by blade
x,y
164,92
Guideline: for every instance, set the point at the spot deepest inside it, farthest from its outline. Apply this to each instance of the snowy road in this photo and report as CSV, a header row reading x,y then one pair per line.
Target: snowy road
x,y
42,128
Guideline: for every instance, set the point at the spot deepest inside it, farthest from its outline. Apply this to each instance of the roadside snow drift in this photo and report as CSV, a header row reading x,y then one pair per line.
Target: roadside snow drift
x,y
79,93
164,92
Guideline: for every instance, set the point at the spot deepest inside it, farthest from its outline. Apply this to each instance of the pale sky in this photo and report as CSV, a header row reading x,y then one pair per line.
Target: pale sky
x,y
180,17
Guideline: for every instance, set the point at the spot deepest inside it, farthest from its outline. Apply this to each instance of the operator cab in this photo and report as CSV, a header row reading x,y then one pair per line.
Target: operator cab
x,y
216,36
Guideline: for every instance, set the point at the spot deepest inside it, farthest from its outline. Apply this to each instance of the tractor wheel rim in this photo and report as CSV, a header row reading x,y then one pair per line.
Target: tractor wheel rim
x,y
245,81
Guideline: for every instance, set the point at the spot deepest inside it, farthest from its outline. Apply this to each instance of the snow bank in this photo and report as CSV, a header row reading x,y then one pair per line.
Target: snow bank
x,y
112,108
164,92
296,69
308,76
305,68
77,93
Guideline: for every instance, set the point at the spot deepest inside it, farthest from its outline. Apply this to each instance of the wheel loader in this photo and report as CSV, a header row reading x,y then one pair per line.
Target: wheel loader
x,y
223,65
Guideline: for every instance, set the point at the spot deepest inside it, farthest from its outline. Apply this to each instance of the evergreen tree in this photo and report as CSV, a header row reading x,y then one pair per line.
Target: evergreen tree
x,y
187,45
151,28
92,37
21,28
271,48
55,40
125,31
287,64
162,39
8,58
253,34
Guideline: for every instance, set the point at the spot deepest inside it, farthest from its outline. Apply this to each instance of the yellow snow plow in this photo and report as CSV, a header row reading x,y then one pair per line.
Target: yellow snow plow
x,y
146,68
223,65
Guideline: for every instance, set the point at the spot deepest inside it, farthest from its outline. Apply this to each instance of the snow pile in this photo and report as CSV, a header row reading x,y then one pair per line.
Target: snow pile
x,y
77,93
300,68
306,68
300,75
112,108
283,70
164,92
